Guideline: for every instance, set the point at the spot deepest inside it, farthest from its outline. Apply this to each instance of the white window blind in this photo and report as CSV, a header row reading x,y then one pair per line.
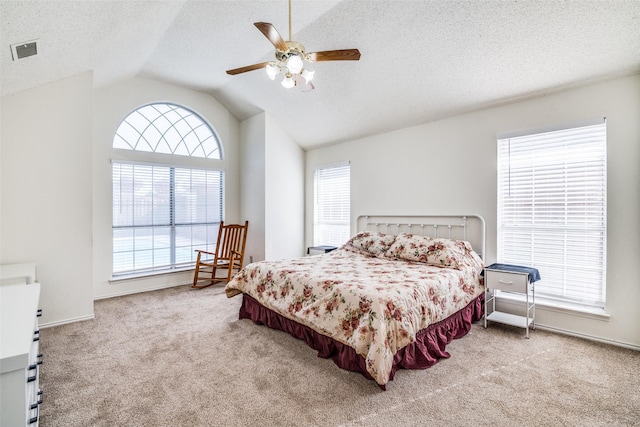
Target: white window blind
x,y
332,200
552,210
161,214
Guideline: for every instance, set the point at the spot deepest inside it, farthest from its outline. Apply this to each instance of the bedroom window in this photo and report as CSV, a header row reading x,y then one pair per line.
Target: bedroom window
x,y
331,205
167,192
167,129
552,210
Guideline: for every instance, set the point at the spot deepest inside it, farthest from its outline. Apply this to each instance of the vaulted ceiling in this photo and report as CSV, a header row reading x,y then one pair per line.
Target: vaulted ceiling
x,y
421,60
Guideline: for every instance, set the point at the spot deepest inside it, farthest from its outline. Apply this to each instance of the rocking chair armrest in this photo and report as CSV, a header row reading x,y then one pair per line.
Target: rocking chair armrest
x,y
204,252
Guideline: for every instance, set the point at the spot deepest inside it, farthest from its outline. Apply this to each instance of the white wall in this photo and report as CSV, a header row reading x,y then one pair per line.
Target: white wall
x,y
284,200
272,190
449,166
112,105
253,191
46,192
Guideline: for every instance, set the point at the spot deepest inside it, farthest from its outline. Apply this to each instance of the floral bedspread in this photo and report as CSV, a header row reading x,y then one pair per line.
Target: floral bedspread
x,y
374,304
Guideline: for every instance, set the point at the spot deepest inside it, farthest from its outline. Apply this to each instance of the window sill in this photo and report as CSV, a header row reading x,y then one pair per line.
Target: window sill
x,y
559,307
148,275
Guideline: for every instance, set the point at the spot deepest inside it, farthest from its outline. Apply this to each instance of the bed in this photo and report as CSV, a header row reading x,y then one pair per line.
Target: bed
x,y
392,297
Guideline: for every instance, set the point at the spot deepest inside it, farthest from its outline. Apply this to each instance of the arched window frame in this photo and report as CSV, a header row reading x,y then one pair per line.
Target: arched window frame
x,y
157,129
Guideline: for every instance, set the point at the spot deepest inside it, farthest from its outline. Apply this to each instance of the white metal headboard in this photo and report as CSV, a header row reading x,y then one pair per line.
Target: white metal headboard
x,y
471,228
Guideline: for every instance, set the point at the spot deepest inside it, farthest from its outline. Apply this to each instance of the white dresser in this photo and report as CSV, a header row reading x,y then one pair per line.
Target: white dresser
x,y
19,355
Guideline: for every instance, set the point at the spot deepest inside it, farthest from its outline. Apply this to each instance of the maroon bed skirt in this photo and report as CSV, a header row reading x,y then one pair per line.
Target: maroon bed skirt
x,y
428,348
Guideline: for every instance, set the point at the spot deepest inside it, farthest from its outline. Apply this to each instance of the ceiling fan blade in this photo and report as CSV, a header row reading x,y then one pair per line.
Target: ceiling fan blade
x,y
335,55
272,34
247,68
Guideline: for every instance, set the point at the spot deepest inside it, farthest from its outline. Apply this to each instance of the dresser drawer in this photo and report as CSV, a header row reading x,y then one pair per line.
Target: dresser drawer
x,y
506,281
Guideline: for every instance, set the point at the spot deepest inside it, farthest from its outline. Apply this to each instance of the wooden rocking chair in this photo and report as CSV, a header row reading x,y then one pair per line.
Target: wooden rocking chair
x,y
229,255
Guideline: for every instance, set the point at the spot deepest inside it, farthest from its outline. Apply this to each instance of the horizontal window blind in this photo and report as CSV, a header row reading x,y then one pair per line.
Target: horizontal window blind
x,y
332,205
161,214
552,210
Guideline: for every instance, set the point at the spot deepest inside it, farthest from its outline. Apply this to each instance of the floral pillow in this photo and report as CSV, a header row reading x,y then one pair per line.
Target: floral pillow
x,y
410,247
439,252
472,259
370,243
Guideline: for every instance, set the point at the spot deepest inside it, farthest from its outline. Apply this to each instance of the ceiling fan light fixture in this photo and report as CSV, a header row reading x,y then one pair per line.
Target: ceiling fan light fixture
x,y
272,70
294,64
288,82
291,56
307,75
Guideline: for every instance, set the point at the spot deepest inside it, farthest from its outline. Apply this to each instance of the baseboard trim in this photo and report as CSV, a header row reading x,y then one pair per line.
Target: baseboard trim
x,y
137,291
588,337
65,321
518,303
112,295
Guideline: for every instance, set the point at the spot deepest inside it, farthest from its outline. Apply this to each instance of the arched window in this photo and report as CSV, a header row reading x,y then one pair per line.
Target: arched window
x,y
168,129
163,212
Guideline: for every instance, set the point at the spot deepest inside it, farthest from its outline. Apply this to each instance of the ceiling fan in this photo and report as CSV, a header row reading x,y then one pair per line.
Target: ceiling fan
x,y
291,57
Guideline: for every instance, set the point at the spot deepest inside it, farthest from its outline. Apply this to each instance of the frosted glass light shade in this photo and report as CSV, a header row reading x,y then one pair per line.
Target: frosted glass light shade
x,y
307,75
294,64
272,70
288,82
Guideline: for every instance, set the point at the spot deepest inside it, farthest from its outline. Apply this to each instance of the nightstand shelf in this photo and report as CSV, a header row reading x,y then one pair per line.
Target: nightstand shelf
x,y
512,279
511,319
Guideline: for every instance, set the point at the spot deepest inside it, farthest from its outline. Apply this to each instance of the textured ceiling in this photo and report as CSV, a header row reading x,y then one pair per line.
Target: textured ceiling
x,y
421,60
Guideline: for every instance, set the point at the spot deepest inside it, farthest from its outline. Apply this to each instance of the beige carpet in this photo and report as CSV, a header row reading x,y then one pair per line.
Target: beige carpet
x,y
181,357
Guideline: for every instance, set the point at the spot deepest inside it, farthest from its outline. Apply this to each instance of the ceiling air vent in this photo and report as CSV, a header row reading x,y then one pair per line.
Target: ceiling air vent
x,y
23,50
